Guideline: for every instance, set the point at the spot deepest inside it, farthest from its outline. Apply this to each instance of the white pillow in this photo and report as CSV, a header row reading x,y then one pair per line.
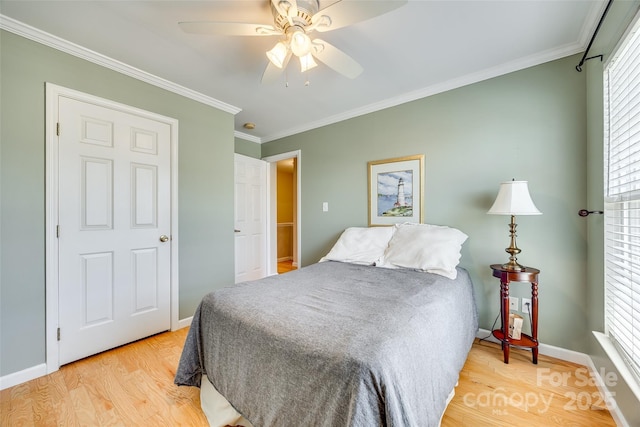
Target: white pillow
x,y
360,245
430,248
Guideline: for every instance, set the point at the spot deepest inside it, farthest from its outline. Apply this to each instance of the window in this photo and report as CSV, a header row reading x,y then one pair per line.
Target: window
x,y
622,198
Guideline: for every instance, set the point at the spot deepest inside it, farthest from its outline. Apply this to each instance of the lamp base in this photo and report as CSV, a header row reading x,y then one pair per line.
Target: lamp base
x,y
513,249
513,266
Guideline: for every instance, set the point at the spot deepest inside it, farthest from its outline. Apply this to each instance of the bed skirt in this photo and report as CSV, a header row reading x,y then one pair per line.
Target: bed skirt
x,y
220,413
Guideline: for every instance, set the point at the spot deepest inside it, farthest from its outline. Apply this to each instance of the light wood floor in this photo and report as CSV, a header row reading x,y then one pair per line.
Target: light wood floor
x,y
551,393
285,266
133,386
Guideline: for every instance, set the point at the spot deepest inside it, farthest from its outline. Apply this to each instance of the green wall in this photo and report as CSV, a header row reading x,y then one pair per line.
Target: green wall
x,y
542,124
247,148
206,147
528,125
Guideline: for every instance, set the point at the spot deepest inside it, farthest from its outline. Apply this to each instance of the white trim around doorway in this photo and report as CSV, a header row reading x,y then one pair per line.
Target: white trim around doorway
x,y
272,250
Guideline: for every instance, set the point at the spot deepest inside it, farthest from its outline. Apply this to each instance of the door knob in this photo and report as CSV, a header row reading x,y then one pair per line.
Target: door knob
x,y
164,238
235,230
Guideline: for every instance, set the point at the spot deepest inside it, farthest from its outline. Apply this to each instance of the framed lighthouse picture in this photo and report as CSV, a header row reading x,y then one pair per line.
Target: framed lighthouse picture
x,y
395,190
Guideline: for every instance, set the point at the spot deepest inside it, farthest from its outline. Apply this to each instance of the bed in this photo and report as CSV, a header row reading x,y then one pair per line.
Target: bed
x,y
349,341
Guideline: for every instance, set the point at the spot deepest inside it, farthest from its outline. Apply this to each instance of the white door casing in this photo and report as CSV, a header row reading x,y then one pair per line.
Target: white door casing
x,y
272,203
111,198
250,213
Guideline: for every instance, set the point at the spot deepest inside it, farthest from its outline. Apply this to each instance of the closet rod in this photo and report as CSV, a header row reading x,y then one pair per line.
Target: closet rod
x,y
595,33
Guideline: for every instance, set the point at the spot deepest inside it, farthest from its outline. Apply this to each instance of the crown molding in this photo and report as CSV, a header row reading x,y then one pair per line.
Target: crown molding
x,y
578,46
479,76
591,22
31,33
570,49
247,137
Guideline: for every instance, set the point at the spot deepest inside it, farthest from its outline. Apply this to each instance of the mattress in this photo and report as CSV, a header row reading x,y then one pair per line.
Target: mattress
x,y
334,344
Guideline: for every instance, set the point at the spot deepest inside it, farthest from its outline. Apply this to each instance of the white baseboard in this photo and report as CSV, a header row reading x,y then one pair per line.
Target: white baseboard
x,y
574,357
183,323
546,349
23,376
41,370
604,391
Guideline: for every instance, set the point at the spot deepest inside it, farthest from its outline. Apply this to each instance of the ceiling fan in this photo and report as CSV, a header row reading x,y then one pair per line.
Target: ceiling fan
x,y
293,21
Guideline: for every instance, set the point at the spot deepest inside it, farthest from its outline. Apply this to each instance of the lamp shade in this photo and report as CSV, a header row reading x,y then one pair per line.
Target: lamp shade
x,y
300,43
278,54
514,199
307,63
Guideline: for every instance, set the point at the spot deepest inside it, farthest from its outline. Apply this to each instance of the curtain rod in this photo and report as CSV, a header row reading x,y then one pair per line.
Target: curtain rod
x,y
595,33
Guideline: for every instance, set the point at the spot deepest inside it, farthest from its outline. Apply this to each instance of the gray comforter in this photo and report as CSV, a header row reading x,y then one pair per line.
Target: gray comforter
x,y
334,344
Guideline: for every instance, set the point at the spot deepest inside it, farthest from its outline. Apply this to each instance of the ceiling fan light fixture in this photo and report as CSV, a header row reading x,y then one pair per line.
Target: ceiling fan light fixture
x,y
300,43
278,54
307,62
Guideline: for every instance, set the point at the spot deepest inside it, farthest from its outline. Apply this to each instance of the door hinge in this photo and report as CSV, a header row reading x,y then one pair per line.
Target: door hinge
x,y
57,231
58,334
58,129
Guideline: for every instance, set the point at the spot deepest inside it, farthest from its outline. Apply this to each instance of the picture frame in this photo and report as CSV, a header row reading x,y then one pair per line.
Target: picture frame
x,y
396,190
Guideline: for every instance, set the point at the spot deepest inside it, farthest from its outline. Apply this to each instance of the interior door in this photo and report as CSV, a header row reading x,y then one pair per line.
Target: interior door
x,y
250,218
114,228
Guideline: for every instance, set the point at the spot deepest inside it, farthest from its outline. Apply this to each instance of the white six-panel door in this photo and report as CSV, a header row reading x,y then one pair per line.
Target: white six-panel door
x,y
250,218
114,225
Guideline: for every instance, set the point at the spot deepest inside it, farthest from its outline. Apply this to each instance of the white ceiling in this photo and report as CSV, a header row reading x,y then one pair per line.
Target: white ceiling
x,y
419,49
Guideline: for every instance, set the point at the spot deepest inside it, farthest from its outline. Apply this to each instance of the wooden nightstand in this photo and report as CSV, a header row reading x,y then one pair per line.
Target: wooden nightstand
x,y
506,276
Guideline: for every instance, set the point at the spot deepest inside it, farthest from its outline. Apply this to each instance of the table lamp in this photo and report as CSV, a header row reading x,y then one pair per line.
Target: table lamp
x,y
513,199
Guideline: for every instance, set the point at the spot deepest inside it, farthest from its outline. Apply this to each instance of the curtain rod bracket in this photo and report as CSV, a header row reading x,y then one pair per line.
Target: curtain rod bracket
x,y
579,66
595,33
585,212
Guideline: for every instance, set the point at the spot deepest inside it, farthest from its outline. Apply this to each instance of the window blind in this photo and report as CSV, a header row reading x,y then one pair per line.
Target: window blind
x,y
622,198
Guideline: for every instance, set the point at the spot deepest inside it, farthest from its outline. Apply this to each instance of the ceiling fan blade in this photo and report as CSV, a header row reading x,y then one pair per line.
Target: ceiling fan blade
x,y
336,59
347,12
228,28
272,73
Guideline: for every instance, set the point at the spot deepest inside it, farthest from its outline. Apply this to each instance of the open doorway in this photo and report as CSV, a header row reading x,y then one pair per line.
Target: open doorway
x,y
286,174
284,212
